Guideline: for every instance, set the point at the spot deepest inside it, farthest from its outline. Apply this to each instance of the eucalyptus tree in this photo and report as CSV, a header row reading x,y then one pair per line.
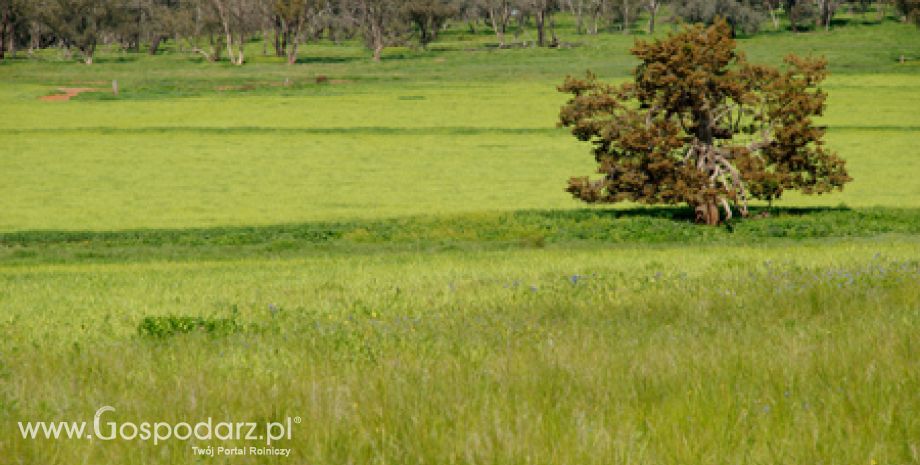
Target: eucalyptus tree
x,y
624,13
701,125
293,16
238,19
80,23
428,17
910,9
652,7
542,11
165,19
799,12
382,23
499,13
742,15
826,10
15,23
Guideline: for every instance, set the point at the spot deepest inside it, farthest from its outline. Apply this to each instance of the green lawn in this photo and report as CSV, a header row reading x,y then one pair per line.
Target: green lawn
x,y
391,257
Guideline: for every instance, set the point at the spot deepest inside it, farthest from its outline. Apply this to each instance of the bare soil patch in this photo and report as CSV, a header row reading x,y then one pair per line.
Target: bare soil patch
x,y
67,93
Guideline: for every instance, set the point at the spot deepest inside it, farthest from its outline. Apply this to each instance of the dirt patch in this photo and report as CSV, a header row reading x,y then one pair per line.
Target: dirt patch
x,y
67,93
232,88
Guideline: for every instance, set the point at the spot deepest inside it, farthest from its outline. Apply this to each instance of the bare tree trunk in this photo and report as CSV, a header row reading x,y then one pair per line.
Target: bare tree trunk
x,y
652,7
773,17
626,18
88,53
277,27
540,19
229,43
576,8
155,44
292,54
707,213
554,41
5,28
595,18
498,27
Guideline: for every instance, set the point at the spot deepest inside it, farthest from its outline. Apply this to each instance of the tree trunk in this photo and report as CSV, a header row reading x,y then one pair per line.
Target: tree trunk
x,y
5,28
541,32
625,18
229,42
707,213
498,28
240,45
279,48
155,44
292,54
378,51
88,53
578,12
554,41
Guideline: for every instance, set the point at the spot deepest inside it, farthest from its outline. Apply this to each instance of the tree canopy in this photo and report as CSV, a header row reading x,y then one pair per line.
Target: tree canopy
x,y
701,125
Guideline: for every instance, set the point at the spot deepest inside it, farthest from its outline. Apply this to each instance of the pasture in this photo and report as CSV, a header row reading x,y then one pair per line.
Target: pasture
x,y
389,255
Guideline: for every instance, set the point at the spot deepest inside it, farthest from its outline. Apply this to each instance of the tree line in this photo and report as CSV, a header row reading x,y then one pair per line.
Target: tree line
x,y
218,28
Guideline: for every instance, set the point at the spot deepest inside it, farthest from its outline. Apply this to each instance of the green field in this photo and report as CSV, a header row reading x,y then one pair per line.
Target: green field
x,y
391,257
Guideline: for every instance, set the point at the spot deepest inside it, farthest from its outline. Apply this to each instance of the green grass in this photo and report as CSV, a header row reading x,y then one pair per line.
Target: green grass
x,y
392,258
668,354
212,161
435,132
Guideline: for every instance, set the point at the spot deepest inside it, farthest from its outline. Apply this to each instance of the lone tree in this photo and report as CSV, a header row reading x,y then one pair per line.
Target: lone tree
x,y
700,125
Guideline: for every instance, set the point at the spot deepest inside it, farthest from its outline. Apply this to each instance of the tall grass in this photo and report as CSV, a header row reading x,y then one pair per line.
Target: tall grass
x,y
664,355
391,258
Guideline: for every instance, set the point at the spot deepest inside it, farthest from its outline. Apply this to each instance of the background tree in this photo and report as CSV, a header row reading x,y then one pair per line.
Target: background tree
x,y
799,12
14,24
238,19
910,9
742,15
428,17
166,19
701,125
577,9
292,16
382,23
80,23
772,6
826,10
652,7
542,11
598,10
498,13
624,13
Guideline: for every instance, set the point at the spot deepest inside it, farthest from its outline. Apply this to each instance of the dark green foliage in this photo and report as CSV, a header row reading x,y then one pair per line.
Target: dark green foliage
x,y
801,13
83,23
166,326
743,15
429,17
910,9
559,228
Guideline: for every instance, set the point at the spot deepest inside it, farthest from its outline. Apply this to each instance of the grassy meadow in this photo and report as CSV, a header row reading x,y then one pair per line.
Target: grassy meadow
x,y
388,254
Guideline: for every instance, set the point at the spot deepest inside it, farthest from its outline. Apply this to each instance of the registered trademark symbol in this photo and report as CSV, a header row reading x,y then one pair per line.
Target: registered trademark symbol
x,y
297,420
